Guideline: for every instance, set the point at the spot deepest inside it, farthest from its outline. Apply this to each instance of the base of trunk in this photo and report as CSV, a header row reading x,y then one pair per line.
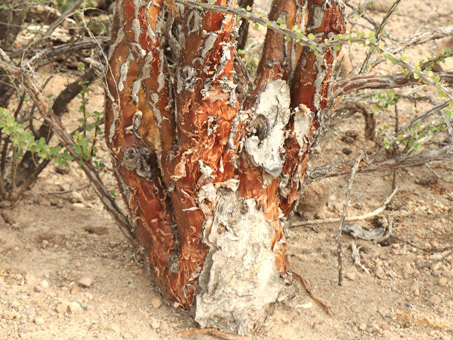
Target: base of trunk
x,y
240,280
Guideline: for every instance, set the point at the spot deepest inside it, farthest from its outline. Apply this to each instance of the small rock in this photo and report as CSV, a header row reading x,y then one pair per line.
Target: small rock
x,y
156,302
74,289
436,272
74,307
37,289
75,197
86,282
385,327
408,270
435,300
351,276
392,274
61,308
78,205
362,326
114,328
44,283
155,324
379,272
443,281
436,257
65,187
39,320
415,288
447,273
346,151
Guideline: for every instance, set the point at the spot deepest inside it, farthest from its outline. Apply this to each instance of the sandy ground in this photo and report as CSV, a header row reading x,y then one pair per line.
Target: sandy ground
x,y
67,272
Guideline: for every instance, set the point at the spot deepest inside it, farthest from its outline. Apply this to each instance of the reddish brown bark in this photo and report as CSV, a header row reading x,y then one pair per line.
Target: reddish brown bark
x,y
177,131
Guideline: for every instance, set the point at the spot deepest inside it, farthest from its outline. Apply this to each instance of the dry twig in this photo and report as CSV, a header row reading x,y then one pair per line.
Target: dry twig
x,y
64,138
212,332
314,297
351,218
342,220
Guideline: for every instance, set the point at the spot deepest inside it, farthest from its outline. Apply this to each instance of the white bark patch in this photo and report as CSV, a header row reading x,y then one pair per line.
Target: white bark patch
x,y
136,29
321,67
273,105
124,70
208,43
240,279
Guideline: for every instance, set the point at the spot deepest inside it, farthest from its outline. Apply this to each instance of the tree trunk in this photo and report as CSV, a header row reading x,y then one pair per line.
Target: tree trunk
x,y
209,173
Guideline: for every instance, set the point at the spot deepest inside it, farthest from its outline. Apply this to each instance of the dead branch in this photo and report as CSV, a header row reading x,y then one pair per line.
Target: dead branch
x,y
424,37
391,81
351,218
212,332
57,51
61,18
378,31
430,264
314,297
402,161
63,136
439,177
342,220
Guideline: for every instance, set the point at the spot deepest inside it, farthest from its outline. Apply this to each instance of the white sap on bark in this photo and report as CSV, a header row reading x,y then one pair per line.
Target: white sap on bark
x,y
240,280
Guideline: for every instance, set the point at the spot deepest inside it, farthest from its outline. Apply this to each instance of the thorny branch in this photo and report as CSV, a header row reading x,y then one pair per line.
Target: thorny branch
x,y
63,136
402,161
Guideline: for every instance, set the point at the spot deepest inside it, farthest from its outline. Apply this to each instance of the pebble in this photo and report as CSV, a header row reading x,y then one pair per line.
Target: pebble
x,y
44,284
61,308
114,328
443,281
39,320
379,272
74,289
408,269
415,288
78,205
436,257
86,282
37,289
65,187
392,274
155,324
156,302
76,197
435,300
75,307
447,273
351,276
385,326
362,326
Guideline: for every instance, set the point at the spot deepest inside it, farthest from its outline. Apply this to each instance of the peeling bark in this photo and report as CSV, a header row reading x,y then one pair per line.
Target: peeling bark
x,y
209,175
